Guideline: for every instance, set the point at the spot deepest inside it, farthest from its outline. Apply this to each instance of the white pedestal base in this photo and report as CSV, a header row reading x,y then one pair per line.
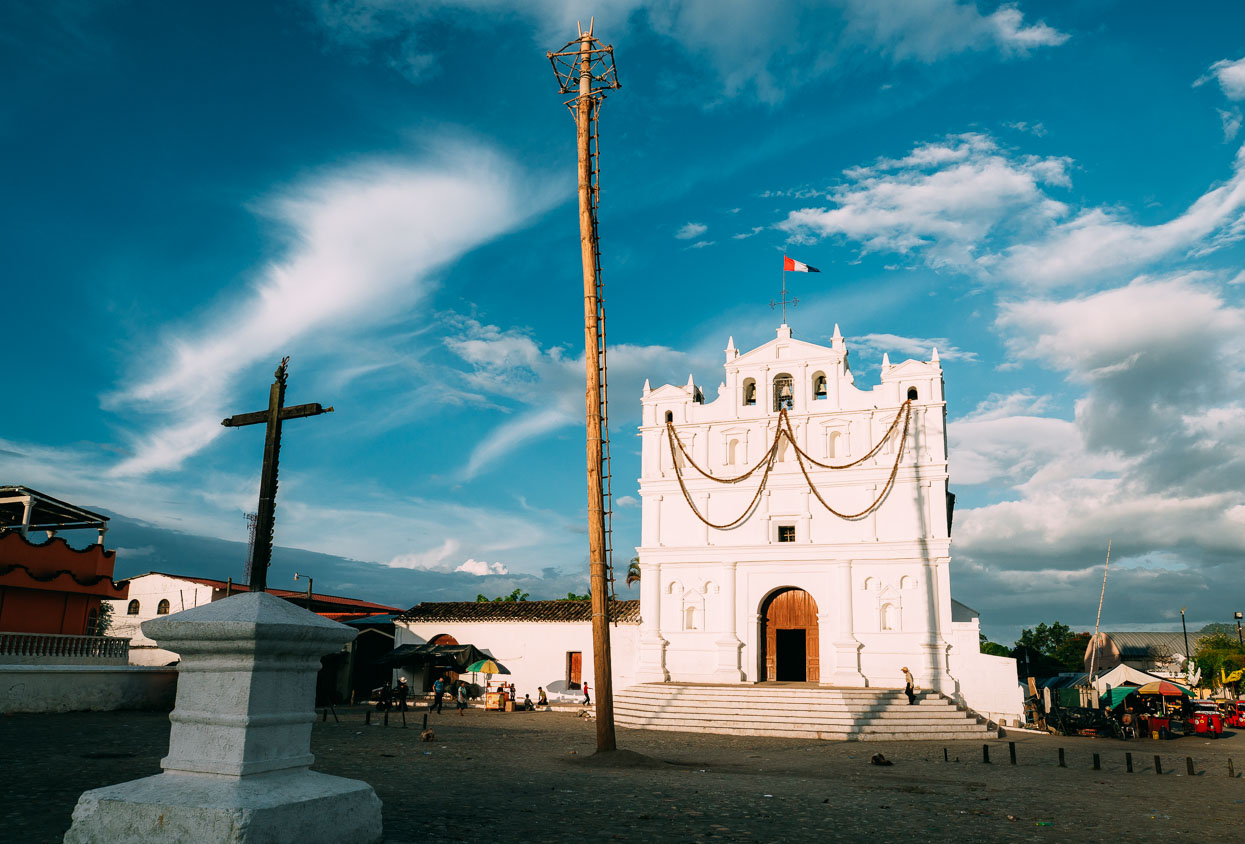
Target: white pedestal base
x,y
846,666
728,670
652,662
298,807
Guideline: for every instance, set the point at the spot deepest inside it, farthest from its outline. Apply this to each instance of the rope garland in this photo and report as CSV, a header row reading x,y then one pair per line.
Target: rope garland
x,y
784,429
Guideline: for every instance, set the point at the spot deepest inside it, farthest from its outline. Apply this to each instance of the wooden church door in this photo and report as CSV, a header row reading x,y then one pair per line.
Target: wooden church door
x,y
791,637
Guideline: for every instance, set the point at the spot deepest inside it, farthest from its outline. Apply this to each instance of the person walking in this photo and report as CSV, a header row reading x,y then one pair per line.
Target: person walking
x,y
438,691
461,697
587,700
909,686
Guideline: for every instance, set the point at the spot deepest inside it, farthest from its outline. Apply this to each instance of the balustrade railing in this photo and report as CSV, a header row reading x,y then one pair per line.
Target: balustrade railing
x,y
57,645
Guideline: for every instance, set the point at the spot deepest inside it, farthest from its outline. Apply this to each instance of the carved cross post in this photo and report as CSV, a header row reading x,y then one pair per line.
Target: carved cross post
x,y
276,413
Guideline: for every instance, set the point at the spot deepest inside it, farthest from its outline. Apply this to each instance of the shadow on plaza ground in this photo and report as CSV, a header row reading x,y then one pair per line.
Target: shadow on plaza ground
x,y
532,777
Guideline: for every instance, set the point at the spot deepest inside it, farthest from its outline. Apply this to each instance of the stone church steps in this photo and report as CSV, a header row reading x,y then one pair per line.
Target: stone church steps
x,y
795,712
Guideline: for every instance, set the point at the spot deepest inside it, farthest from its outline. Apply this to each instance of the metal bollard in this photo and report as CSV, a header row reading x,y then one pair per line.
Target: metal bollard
x,y
1011,749
324,715
944,755
1062,764
1188,761
425,720
1097,763
985,754
1158,764
1231,770
1128,762
367,718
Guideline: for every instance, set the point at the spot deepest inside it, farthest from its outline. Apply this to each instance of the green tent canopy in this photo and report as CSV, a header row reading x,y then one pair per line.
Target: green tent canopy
x,y
1114,697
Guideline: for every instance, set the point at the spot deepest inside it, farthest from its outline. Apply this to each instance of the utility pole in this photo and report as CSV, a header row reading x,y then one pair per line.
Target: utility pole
x,y
585,68
1093,655
1187,656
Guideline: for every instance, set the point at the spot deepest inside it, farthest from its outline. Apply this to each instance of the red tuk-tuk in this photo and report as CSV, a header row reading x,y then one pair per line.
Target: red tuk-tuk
x,y
1205,718
1233,712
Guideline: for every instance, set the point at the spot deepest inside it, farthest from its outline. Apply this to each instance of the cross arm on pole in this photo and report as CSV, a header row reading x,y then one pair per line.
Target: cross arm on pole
x,y
297,411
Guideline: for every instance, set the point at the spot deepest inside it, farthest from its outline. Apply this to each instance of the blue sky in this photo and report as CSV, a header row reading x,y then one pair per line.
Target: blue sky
x,y
1052,193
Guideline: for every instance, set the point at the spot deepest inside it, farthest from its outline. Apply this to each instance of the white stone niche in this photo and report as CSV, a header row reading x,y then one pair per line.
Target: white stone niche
x,y
240,744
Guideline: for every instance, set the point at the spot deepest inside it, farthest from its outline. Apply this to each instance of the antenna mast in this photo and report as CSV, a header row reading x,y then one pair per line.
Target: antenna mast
x,y
586,69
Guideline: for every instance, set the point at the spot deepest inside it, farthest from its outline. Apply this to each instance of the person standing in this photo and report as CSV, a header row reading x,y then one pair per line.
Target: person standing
x,y
909,686
438,690
461,697
587,700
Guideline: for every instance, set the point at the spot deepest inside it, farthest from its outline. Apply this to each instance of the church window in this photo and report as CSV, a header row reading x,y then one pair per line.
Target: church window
x,y
674,587
786,533
689,618
906,582
750,392
784,392
912,393
819,386
162,608
888,617
693,613
669,415
732,452
132,608
832,444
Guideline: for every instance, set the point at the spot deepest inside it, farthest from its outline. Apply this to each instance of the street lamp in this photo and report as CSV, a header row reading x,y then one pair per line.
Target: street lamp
x,y
309,583
1185,628
1237,616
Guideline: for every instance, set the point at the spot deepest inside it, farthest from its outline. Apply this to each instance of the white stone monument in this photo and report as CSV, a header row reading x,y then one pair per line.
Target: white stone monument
x,y
239,749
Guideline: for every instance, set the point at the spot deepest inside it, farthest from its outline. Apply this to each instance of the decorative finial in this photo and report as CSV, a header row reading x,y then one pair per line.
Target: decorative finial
x,y
934,359
647,388
837,335
691,382
886,360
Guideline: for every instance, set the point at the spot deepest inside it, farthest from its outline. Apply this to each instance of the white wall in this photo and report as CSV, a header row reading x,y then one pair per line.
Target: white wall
x,y
70,688
149,590
986,684
535,652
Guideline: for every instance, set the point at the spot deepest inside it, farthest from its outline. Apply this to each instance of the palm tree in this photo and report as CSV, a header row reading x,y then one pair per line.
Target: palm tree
x,y
633,571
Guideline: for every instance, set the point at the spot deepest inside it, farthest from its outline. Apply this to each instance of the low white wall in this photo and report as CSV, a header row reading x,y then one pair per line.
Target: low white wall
x,y
985,684
69,688
535,652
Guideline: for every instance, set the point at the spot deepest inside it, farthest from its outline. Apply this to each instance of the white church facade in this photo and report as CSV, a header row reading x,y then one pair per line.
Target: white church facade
x,y
797,528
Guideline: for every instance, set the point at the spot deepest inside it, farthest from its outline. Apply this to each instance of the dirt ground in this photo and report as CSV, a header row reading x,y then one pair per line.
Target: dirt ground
x,y
533,777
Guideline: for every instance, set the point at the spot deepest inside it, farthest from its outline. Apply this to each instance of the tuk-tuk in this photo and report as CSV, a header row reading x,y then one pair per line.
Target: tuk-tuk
x,y
1205,717
1233,712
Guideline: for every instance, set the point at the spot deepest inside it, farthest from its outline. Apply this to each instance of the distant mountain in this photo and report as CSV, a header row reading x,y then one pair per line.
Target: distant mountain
x,y
143,547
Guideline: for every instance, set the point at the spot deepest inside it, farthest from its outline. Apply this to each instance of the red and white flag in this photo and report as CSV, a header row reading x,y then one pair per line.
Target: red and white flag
x,y
793,266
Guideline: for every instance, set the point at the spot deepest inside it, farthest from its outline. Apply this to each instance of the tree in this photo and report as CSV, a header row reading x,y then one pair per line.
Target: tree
x,y
571,596
516,595
104,620
1050,649
633,572
1218,652
1220,627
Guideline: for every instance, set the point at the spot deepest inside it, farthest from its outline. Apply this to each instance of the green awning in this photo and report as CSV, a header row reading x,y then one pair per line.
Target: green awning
x,y
1114,697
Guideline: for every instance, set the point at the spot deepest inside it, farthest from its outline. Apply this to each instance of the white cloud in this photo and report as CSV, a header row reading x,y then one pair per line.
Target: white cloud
x,y
968,205
1230,75
431,560
482,569
1231,120
748,45
943,200
701,244
363,243
691,230
744,235
625,501
919,348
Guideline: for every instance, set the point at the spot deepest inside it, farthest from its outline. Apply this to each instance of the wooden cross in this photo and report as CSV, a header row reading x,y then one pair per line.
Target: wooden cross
x,y
276,413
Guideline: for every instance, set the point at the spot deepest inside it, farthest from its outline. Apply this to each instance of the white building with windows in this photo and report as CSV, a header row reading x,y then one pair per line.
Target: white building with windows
x,y
823,556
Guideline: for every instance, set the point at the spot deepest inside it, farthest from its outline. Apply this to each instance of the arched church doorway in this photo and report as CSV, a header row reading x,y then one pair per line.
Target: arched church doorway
x,y
789,637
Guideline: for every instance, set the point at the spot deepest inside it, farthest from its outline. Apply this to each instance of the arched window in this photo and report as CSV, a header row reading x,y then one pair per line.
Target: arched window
x,y
162,608
750,392
870,583
784,392
693,610
669,415
732,452
132,608
819,386
889,620
912,393
689,618
906,582
833,444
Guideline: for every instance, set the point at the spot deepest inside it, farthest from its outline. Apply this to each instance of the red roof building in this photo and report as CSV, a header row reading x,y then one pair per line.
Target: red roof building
x,y
47,586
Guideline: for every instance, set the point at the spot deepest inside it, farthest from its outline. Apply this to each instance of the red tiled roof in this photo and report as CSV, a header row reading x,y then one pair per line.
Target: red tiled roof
x,y
624,612
284,593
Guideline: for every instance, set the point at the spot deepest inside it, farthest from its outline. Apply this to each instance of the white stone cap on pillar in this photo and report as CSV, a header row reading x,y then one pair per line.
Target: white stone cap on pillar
x,y
246,683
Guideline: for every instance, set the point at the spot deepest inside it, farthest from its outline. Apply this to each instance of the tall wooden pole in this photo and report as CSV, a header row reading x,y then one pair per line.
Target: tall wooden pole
x,y
1093,655
592,406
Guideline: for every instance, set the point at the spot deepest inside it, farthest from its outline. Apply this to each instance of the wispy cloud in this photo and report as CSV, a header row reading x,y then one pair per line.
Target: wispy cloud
x,y
919,348
1230,74
691,230
363,243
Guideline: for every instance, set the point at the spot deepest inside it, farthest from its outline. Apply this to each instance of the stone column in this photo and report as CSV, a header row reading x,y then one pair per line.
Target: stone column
x,y
727,642
846,646
239,748
652,663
